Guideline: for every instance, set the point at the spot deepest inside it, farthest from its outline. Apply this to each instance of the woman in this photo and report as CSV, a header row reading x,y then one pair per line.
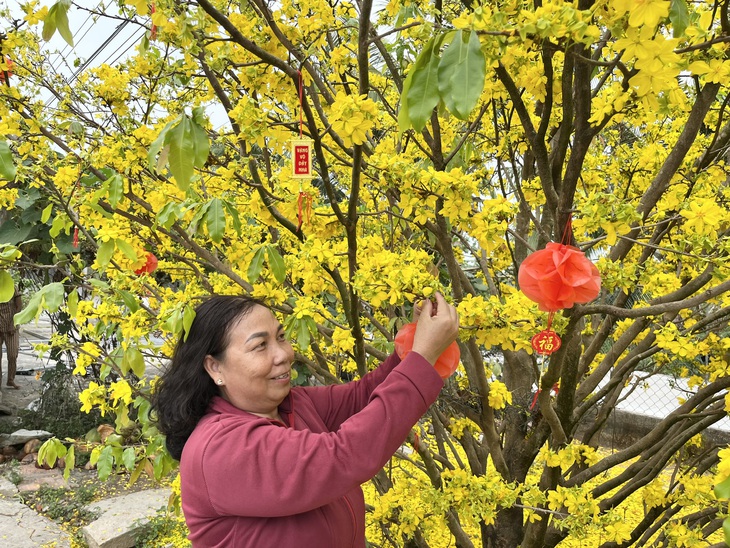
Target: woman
x,y
266,465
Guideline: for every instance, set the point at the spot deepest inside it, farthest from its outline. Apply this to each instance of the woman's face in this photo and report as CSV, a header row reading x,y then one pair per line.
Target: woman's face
x,y
256,366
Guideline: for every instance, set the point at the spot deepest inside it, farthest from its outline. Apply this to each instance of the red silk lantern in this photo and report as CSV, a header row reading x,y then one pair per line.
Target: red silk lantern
x,y
149,267
447,362
559,276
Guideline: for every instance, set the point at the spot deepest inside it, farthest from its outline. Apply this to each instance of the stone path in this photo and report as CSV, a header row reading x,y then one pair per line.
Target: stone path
x,y
119,516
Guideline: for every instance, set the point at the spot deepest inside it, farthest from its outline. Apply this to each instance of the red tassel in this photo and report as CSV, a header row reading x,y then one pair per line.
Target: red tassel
x,y
304,207
153,30
76,237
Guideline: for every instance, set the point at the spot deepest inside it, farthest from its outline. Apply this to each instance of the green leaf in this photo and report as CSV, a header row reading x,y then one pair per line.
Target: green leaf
x,y
7,167
49,23
423,90
70,462
169,213
130,301
116,189
133,360
182,152
257,263
46,213
137,471
216,220
276,263
62,22
31,311
104,253
72,302
201,143
157,145
7,286
198,217
53,295
233,214
461,74
104,463
187,319
125,247
303,336
722,490
726,530
679,16
129,458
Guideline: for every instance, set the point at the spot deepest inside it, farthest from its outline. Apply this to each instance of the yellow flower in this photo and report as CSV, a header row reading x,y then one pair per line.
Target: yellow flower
x,y
703,217
643,13
139,5
499,396
352,116
121,391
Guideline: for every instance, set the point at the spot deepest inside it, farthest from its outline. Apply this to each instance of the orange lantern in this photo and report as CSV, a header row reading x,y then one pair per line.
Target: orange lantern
x,y
149,267
447,362
558,277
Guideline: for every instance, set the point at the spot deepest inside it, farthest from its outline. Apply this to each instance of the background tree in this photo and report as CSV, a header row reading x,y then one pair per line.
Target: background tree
x,y
449,141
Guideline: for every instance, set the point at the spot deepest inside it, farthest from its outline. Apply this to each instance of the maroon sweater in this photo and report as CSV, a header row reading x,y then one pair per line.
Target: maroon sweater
x,y
248,481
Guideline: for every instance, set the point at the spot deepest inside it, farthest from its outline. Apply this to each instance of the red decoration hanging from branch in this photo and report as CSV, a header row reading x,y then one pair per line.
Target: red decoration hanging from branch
x,y
558,277
301,154
8,72
446,363
149,266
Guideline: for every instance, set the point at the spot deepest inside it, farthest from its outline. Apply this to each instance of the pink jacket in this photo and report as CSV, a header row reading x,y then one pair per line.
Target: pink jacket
x,y
248,481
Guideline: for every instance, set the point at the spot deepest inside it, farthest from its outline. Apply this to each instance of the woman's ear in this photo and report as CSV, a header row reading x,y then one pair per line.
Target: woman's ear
x,y
212,367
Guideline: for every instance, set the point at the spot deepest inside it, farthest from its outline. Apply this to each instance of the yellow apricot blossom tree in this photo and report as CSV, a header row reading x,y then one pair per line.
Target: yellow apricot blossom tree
x,y
448,141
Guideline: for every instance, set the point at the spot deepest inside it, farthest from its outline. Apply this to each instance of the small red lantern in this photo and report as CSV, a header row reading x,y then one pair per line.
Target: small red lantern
x,y
559,276
447,362
149,267
546,342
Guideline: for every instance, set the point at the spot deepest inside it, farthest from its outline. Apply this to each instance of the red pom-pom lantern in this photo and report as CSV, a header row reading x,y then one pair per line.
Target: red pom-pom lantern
x,y
149,267
447,362
559,276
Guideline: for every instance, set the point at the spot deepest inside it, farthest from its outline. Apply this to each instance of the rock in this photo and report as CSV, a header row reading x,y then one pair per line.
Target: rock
x,y
5,410
34,478
30,458
32,446
23,528
121,518
7,487
20,437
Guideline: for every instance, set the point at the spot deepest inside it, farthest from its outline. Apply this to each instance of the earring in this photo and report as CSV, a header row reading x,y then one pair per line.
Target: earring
x,y
219,381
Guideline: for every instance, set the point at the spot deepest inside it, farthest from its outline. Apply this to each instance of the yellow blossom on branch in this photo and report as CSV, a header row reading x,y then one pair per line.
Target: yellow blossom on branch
x,y
352,116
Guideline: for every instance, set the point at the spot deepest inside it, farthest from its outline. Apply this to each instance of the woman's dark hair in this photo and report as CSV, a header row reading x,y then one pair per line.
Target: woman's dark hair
x,y
184,391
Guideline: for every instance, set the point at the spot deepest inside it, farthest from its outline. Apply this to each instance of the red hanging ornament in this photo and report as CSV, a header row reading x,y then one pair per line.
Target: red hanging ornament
x,y
8,71
76,237
546,342
304,207
149,267
558,277
447,362
153,28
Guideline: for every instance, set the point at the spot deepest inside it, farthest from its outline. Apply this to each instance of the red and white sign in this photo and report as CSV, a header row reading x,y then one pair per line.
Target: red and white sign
x,y
301,153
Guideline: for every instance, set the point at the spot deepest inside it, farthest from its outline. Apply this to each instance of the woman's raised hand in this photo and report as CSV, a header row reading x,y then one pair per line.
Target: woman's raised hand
x,y
437,326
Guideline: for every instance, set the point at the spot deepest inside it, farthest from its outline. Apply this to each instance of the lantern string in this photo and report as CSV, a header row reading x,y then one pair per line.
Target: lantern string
x,y
568,231
304,201
301,103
